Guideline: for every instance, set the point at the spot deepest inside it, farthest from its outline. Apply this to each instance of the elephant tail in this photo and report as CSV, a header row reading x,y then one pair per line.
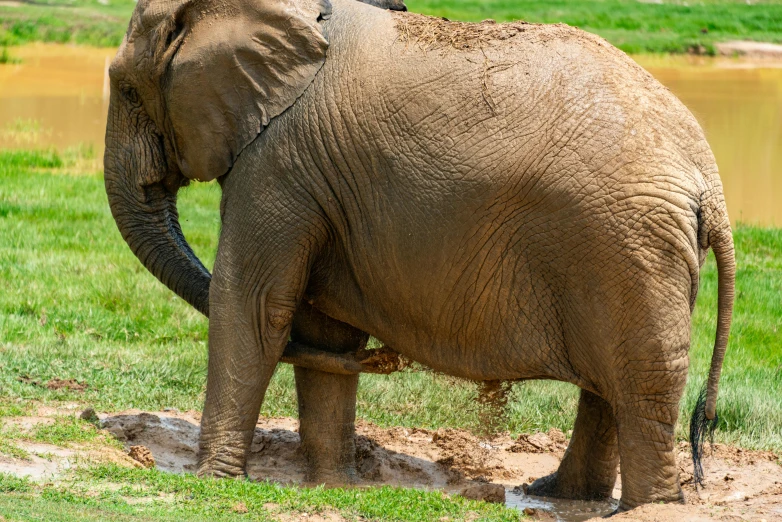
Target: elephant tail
x,y
714,232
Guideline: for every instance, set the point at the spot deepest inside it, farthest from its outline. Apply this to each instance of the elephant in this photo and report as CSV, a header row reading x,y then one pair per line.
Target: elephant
x,y
494,201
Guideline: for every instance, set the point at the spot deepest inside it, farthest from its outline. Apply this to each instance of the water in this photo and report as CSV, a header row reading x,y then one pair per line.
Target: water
x,y
57,97
54,97
562,510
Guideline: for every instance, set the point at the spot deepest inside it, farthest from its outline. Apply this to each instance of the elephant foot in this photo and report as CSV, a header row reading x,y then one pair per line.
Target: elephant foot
x,y
219,468
554,486
544,487
223,459
673,498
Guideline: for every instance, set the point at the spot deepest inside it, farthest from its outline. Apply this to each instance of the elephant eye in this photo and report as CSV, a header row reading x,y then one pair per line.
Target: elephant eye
x,y
130,94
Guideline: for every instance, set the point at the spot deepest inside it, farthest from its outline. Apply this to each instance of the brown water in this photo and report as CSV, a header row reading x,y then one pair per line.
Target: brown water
x,y
57,97
562,510
54,97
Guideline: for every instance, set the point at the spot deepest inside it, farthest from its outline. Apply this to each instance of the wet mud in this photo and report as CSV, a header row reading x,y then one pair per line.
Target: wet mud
x,y
739,484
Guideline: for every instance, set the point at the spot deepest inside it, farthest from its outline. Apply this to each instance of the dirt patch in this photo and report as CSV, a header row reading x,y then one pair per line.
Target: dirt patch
x,y
54,384
553,441
45,461
27,423
747,49
739,484
444,459
440,33
66,384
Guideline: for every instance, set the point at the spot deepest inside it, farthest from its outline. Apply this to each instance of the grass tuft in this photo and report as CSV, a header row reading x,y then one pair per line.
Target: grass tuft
x,y
13,484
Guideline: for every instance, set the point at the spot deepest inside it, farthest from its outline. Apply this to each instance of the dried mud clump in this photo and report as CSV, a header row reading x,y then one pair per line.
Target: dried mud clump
x,y
142,455
550,442
383,361
440,33
89,415
466,456
487,492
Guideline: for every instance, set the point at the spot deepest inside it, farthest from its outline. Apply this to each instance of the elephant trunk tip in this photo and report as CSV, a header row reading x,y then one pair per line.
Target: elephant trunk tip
x,y
703,423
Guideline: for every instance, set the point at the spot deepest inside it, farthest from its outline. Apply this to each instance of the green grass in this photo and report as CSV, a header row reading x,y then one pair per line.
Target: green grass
x,y
635,27
114,493
66,21
10,449
671,26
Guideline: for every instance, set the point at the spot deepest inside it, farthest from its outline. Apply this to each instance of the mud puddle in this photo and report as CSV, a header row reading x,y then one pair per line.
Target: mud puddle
x,y
740,484
558,509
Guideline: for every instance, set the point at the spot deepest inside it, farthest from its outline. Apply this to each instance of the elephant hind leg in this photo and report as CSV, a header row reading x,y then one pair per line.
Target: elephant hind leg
x,y
589,468
646,416
327,402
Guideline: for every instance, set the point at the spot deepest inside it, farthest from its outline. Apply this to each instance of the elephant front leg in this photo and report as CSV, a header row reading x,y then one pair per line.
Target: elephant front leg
x,y
249,324
589,468
327,401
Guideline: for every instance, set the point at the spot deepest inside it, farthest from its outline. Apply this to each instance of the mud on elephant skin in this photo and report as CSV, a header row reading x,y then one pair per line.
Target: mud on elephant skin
x,y
494,201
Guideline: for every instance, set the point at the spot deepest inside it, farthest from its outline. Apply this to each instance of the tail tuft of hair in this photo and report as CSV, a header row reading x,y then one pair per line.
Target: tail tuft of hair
x,y
700,428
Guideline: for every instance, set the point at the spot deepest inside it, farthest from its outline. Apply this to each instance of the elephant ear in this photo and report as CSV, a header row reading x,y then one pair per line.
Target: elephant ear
x,y
235,69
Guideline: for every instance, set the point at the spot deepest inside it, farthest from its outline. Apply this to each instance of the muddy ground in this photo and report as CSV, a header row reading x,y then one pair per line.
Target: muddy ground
x,y
740,484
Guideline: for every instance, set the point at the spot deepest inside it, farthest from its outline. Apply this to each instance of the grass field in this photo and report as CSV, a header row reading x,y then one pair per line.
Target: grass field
x,y
114,493
77,305
666,26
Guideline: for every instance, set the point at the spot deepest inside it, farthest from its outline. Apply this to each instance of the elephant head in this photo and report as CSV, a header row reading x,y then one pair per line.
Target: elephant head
x,y
194,83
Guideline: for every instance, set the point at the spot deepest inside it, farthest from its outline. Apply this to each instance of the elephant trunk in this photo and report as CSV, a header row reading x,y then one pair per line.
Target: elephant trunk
x,y
144,208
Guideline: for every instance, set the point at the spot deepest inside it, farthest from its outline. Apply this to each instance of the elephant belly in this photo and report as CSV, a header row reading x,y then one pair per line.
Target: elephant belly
x,y
475,311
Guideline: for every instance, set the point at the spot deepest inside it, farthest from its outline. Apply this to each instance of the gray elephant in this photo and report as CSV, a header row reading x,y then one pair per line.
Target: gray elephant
x,y
495,201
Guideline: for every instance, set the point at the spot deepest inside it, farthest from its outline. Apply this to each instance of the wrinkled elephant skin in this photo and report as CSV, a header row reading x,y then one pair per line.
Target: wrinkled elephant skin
x,y
494,201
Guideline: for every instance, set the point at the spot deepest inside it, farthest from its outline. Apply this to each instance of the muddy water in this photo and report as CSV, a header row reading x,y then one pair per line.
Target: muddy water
x,y
56,96
562,510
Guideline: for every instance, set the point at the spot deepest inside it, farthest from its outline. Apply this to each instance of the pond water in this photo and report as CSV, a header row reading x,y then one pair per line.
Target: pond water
x,y
56,96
